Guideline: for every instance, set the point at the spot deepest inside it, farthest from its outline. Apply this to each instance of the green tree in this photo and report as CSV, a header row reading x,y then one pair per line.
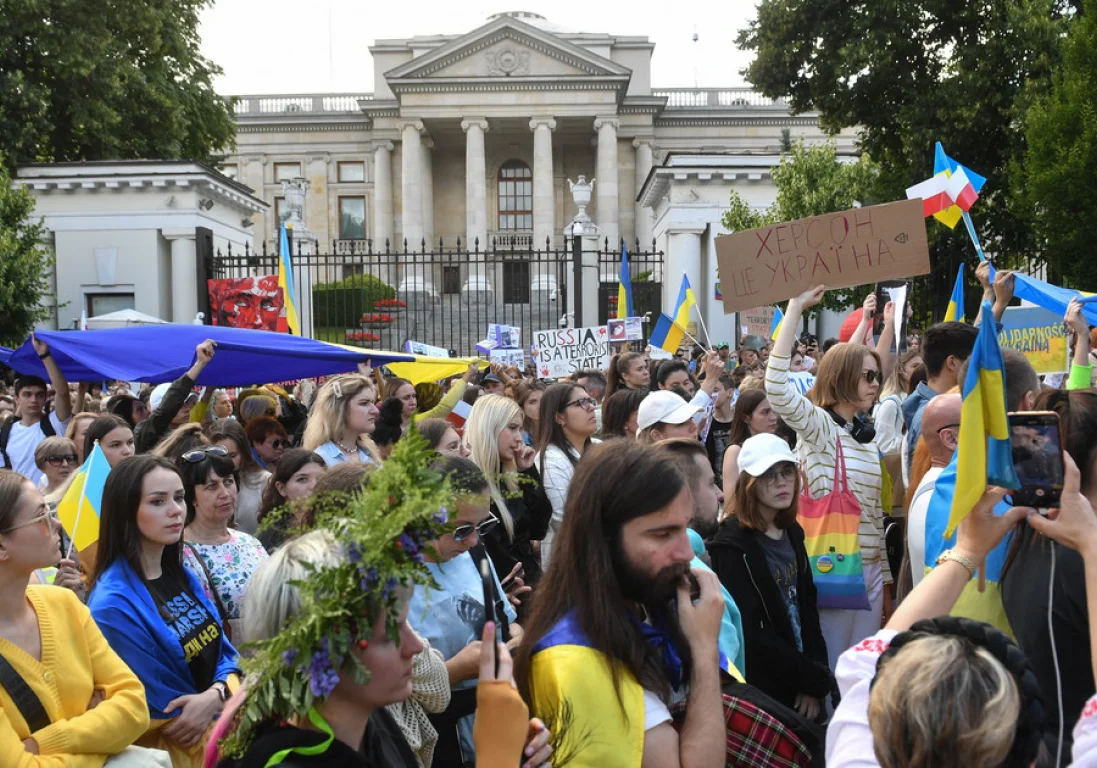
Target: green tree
x,y
911,73
812,180
1053,184
25,267
117,79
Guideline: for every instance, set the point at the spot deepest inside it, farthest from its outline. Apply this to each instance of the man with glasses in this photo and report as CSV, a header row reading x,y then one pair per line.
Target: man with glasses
x,y
941,433
20,436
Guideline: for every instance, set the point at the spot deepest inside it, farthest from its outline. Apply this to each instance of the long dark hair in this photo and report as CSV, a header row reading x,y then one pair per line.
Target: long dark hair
x,y
231,429
289,465
524,390
744,408
615,376
388,427
549,432
433,430
100,427
196,473
618,408
586,550
119,536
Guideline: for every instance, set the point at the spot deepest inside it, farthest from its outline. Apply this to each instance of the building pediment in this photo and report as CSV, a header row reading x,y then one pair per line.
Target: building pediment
x,y
504,52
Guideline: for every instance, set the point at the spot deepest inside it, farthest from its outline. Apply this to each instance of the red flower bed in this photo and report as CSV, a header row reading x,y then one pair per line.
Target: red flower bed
x,y
389,304
376,317
362,336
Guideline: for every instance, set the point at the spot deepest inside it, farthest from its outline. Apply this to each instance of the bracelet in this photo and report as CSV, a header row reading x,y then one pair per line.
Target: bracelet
x,y
956,557
44,356
222,690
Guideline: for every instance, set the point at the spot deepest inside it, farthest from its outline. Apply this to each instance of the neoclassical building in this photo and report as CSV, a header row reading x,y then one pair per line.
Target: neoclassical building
x,y
476,136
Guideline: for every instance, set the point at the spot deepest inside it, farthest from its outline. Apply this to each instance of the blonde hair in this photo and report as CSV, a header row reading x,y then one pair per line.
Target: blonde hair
x,y
74,424
751,382
328,416
838,377
256,406
54,444
943,702
489,416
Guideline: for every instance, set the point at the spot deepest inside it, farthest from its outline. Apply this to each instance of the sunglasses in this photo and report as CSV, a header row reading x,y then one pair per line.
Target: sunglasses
x,y
586,403
57,461
198,454
279,444
872,376
49,514
462,532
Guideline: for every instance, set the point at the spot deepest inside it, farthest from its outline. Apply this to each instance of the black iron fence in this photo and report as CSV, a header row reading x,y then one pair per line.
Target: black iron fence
x,y
444,296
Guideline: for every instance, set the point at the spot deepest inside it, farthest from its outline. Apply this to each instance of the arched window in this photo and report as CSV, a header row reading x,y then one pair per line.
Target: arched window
x,y
515,197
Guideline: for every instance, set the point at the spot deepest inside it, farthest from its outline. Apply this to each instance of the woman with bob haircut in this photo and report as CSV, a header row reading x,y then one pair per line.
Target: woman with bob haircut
x,y
759,555
619,413
93,704
115,438
833,431
254,480
154,612
343,416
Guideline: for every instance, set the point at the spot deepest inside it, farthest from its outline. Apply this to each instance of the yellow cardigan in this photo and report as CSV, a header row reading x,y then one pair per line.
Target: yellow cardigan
x,y
76,661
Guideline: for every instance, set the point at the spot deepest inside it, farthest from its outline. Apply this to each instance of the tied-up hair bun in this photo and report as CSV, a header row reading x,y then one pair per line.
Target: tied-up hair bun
x,y
1026,738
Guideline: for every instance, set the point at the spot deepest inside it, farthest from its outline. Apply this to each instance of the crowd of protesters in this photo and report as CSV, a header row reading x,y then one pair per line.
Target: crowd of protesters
x,y
635,537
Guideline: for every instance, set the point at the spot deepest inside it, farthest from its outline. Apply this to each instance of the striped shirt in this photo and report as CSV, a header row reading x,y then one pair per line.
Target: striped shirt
x,y
817,448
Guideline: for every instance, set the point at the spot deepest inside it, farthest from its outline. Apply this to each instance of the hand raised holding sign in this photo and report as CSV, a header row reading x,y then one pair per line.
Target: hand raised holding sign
x,y
809,299
869,307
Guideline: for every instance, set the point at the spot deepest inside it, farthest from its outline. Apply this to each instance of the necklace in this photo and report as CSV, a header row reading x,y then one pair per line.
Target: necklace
x,y
344,449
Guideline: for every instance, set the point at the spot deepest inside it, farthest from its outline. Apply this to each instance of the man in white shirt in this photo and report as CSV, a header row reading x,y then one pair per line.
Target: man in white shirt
x,y
941,431
21,435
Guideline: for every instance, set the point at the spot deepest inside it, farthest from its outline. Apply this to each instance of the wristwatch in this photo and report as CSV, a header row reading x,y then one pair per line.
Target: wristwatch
x,y
956,557
222,690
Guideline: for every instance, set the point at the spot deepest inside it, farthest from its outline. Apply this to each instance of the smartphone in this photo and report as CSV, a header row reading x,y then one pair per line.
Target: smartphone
x,y
490,613
1037,458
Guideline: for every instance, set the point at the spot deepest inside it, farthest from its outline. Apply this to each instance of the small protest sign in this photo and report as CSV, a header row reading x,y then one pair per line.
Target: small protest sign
x,y
1037,333
625,329
862,245
505,335
563,351
419,348
515,356
756,321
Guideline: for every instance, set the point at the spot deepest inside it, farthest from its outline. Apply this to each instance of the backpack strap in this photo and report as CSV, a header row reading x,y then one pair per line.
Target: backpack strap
x,y
47,426
28,704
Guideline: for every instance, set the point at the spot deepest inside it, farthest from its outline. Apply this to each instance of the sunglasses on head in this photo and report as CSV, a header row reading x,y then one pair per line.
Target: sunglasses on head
x,y
57,461
462,532
198,454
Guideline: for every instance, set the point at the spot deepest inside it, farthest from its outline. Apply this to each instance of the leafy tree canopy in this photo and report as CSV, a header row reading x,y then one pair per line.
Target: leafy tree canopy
x,y
25,268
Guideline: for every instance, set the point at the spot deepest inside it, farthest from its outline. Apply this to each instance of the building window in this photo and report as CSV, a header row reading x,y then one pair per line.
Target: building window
x,y
515,197
286,171
451,280
228,170
352,172
102,303
352,218
516,282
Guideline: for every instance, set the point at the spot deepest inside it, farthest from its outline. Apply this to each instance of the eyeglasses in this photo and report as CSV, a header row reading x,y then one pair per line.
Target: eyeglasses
x,y
279,444
462,532
57,461
777,474
872,376
586,403
198,454
49,514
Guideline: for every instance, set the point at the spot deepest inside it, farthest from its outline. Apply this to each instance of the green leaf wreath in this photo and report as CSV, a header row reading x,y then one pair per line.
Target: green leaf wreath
x,y
383,530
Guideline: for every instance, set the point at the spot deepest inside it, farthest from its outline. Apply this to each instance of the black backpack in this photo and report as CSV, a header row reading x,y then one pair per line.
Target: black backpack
x,y
5,435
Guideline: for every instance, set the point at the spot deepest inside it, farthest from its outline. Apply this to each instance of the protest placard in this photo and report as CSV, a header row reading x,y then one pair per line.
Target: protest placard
x,y
756,321
515,356
863,245
625,329
1037,333
505,335
563,351
419,348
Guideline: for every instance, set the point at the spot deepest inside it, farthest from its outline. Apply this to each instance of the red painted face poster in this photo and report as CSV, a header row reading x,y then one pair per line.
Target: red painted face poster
x,y
248,302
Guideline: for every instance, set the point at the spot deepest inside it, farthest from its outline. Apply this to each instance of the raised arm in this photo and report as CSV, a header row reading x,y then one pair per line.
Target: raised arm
x,y
1080,366
887,337
868,310
62,401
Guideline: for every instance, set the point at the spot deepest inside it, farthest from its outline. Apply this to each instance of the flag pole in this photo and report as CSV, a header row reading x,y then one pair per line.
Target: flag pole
x,y
80,506
701,318
974,237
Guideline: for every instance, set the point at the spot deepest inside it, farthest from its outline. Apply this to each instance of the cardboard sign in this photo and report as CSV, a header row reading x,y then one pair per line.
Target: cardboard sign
x,y
419,348
512,356
625,329
505,335
563,351
838,250
756,321
1037,333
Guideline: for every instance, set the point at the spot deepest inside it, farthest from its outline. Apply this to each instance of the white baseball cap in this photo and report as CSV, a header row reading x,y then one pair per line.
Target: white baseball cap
x,y
161,390
664,407
761,452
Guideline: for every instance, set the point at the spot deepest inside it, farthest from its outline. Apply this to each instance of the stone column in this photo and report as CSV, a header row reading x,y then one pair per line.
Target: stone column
x,y
427,174
684,258
643,214
184,274
544,198
383,228
411,184
605,190
476,183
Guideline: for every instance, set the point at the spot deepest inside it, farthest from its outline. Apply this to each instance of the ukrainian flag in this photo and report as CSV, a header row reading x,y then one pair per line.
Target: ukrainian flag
x,y
955,310
984,454
624,287
79,509
686,302
945,165
666,334
775,326
285,282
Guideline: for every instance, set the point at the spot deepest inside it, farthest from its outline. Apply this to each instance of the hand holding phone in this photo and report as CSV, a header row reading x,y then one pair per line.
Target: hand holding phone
x,y
1037,450
490,616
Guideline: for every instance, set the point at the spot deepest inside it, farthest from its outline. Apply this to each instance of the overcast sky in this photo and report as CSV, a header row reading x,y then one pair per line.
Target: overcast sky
x,y
321,46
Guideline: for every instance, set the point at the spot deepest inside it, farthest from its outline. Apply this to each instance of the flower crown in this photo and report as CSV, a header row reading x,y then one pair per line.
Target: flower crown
x,y
383,530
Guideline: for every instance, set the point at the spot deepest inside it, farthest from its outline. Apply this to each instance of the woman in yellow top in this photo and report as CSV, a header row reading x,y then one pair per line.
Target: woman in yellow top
x,y
404,390
94,704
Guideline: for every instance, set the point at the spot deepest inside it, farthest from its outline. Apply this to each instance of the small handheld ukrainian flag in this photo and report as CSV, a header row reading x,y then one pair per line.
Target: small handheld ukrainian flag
x,y
775,326
686,302
984,455
78,511
285,282
624,287
667,334
955,310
